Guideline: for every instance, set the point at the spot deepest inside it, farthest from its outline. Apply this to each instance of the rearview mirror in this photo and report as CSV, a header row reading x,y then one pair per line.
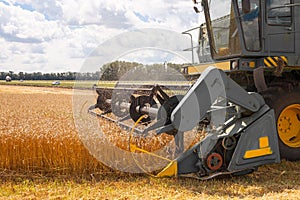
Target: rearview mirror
x,y
246,6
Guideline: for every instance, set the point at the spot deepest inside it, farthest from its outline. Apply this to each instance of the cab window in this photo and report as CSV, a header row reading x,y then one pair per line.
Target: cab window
x,y
250,24
279,12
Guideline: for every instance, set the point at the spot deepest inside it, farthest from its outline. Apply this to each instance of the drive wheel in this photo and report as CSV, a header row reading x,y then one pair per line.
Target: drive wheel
x,y
284,98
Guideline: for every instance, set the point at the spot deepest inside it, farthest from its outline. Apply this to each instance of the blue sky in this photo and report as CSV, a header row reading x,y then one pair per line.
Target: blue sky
x,y
58,35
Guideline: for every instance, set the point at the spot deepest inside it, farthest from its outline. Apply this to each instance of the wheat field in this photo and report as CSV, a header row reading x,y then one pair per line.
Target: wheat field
x,y
37,132
42,157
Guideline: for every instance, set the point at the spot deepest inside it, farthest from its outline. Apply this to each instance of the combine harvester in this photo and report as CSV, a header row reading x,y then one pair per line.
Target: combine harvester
x,y
257,45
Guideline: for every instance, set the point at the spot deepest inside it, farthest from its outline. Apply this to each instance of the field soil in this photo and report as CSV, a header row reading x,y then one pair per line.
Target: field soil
x,y
41,157
12,89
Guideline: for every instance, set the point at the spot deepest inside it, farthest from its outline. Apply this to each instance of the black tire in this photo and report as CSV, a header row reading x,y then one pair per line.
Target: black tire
x,y
279,96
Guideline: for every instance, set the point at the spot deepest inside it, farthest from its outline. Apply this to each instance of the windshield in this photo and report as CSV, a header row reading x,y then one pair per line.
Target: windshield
x,y
225,40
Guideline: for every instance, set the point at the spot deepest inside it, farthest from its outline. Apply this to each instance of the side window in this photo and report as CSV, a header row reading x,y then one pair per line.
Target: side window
x,y
250,24
278,12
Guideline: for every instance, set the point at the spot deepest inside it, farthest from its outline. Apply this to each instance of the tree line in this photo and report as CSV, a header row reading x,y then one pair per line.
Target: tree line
x,y
115,70
50,76
110,72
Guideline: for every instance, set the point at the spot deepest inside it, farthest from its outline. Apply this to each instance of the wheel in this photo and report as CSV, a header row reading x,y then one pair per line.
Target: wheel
x,y
284,98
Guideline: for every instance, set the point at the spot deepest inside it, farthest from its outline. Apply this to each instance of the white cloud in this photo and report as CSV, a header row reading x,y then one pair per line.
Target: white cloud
x,y
53,35
153,56
19,25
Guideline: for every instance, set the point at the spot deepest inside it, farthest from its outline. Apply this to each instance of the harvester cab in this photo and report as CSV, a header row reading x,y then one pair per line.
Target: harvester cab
x,y
248,34
245,126
251,28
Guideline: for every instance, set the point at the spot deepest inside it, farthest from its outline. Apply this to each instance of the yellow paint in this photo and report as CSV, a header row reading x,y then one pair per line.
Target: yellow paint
x,y
225,65
252,64
288,126
134,148
267,63
263,150
197,69
257,153
263,142
284,59
170,170
270,59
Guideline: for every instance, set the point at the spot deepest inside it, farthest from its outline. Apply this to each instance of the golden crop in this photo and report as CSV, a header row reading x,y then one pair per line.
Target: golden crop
x,y
37,132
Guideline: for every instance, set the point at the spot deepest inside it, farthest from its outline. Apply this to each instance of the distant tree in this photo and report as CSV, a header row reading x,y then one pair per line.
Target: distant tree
x,y
110,71
115,70
2,75
21,75
70,76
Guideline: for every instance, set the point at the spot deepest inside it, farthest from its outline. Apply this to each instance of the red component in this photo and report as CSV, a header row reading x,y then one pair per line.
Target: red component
x,y
214,161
